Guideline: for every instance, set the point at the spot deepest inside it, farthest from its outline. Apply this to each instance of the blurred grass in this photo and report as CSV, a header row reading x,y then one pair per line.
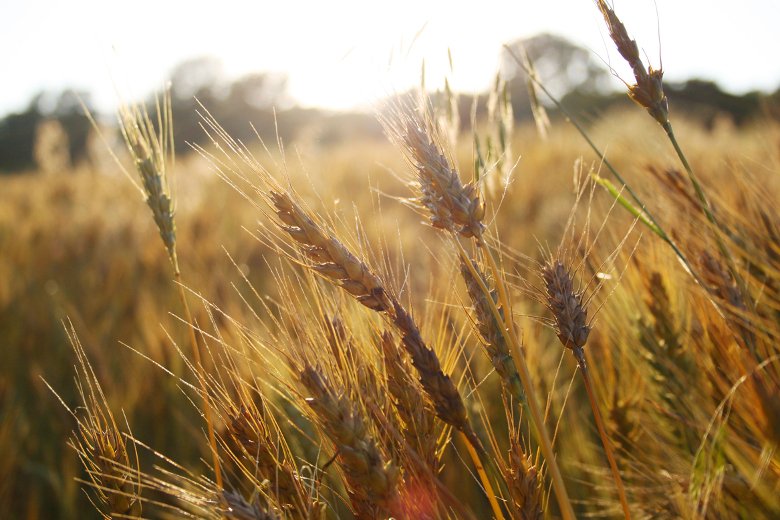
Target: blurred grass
x,y
81,246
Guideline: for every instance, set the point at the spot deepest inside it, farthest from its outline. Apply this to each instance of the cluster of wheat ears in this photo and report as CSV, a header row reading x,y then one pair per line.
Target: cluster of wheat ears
x,y
348,394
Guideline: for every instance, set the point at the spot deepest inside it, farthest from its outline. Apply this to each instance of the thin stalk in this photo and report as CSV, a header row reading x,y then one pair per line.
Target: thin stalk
x,y
704,203
717,229
525,376
637,213
579,354
515,385
201,376
706,207
491,495
657,227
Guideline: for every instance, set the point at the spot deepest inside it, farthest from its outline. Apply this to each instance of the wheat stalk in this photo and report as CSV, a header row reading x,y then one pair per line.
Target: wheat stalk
x,y
489,328
440,191
248,431
416,416
333,260
101,445
570,316
152,151
372,482
524,483
648,92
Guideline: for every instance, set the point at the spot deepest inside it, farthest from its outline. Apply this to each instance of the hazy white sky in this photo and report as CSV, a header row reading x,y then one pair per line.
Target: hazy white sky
x,y
345,53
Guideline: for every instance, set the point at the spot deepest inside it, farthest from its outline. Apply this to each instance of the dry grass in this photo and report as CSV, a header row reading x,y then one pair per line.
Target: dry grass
x,y
348,360
690,415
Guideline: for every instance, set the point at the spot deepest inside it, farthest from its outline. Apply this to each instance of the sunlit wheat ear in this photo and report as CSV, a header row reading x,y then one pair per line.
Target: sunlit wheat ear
x,y
490,330
525,483
151,147
538,110
371,481
570,317
257,452
449,203
152,151
569,313
494,160
236,507
416,415
330,258
101,446
648,90
103,452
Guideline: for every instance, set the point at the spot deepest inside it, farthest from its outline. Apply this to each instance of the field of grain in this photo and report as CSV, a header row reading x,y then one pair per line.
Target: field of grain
x,y
414,328
687,401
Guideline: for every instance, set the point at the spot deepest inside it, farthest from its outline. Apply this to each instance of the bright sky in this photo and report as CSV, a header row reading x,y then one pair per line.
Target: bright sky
x,y
345,53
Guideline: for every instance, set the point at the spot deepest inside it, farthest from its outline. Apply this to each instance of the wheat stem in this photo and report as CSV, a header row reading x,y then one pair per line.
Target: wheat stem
x,y
570,317
200,374
525,376
706,208
491,495
579,354
152,150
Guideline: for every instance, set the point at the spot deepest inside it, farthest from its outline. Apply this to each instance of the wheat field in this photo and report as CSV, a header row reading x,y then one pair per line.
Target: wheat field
x,y
503,323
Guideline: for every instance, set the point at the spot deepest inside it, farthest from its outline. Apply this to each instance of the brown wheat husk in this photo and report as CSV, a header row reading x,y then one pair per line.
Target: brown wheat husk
x,y
331,259
371,480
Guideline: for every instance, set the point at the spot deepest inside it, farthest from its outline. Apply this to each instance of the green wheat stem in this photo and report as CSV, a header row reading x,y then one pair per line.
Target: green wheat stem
x,y
583,133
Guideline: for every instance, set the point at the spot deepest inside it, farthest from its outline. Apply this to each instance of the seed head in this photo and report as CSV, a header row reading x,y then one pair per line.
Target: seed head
x,y
151,151
566,305
648,90
452,205
371,481
331,258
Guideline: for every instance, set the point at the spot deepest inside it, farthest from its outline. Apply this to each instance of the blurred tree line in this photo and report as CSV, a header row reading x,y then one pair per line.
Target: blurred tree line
x,y
582,83
18,131
258,104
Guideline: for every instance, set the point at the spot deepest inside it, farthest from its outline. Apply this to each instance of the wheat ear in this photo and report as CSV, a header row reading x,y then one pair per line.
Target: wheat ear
x,y
101,446
416,416
152,151
570,316
458,209
372,482
333,260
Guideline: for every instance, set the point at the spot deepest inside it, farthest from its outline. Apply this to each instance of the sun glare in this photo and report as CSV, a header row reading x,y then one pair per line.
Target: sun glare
x,y
347,53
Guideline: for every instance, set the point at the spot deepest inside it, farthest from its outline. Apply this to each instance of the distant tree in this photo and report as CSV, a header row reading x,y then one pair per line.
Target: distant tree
x,y
771,105
69,112
197,77
583,84
194,79
52,148
259,90
18,131
563,66
250,98
17,137
705,100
